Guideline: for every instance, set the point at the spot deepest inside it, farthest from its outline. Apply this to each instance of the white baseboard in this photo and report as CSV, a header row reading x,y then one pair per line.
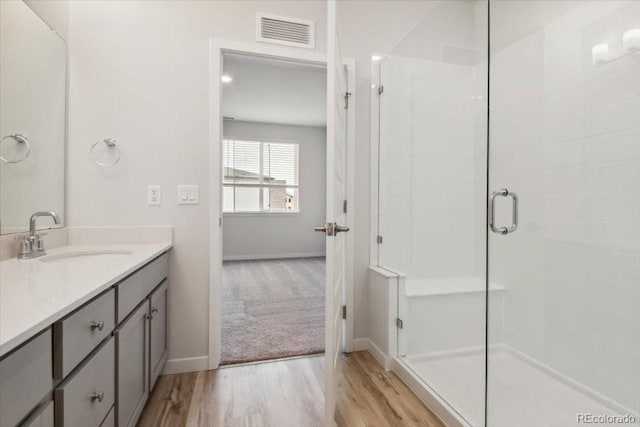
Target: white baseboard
x,y
379,355
361,344
429,397
272,256
188,364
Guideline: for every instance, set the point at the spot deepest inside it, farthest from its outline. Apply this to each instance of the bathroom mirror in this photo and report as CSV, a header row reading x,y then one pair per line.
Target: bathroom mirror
x,y
32,118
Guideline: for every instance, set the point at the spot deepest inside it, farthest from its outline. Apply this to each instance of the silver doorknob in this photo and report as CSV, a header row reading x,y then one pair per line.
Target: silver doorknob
x,y
341,229
331,229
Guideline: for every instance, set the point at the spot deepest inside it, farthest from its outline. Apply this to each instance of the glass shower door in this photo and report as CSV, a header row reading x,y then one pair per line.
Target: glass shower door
x,y
432,205
564,341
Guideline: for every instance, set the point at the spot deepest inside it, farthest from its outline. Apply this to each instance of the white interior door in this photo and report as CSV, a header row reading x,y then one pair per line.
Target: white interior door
x,y
335,226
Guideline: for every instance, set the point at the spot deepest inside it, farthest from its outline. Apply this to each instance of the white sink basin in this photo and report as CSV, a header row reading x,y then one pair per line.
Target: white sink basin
x,y
86,253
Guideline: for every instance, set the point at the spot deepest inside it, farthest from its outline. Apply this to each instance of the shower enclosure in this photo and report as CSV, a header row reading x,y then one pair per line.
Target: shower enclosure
x,y
509,209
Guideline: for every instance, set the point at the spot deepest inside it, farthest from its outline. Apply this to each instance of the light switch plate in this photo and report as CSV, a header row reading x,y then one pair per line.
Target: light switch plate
x,y
154,195
188,195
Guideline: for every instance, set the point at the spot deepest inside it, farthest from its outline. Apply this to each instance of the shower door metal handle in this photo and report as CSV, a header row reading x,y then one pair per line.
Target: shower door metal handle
x,y
503,192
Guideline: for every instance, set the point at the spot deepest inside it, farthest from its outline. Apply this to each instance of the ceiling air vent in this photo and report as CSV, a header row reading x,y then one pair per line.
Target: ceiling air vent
x,y
286,31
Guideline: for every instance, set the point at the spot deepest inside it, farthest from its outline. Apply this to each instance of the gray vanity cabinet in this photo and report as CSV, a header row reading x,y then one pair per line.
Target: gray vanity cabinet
x,y
110,420
42,418
158,339
85,398
138,286
98,362
26,375
132,365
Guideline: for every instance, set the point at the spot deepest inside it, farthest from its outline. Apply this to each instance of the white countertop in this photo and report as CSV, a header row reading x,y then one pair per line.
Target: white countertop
x,y
35,294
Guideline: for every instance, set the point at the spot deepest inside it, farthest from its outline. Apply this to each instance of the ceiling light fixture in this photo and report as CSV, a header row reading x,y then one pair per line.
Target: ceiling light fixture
x,y
376,58
226,79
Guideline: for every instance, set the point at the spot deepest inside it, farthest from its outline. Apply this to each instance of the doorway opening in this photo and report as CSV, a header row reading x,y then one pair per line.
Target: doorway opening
x,y
273,194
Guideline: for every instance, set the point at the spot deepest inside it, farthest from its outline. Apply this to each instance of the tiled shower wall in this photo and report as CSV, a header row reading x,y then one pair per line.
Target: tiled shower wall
x,y
428,113
565,136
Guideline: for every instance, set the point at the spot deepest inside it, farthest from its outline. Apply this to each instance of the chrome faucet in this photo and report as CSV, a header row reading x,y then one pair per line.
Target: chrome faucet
x,y
33,246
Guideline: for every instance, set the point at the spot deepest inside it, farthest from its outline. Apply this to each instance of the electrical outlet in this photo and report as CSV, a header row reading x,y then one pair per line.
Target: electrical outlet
x,y
154,195
188,195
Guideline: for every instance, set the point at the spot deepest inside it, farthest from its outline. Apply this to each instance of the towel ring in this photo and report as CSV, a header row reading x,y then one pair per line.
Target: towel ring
x,y
20,139
110,143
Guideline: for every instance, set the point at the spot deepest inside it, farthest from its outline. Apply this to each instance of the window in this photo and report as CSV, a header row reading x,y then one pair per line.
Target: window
x,y
260,176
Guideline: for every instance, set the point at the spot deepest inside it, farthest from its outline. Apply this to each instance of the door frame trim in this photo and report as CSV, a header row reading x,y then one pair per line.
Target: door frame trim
x,y
218,47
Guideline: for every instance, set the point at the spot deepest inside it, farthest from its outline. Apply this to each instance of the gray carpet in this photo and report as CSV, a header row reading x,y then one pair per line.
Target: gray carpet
x,y
272,309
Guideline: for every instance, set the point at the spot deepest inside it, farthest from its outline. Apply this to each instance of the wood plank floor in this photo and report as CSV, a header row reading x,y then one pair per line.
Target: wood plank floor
x,y
287,393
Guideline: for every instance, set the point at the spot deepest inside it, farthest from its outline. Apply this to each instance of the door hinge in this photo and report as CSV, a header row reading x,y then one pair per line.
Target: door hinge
x,y
379,240
399,323
344,206
220,222
380,89
344,311
347,95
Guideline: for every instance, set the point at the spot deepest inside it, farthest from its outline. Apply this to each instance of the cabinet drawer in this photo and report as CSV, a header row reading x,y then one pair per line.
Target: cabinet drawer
x,y
85,398
42,418
135,288
76,336
110,420
26,376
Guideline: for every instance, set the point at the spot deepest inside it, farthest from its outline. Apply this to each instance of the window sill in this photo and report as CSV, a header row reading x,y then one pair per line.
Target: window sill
x,y
240,214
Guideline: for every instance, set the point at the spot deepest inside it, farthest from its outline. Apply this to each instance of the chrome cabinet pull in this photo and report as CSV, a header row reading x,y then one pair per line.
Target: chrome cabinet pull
x,y
97,325
154,309
97,395
503,192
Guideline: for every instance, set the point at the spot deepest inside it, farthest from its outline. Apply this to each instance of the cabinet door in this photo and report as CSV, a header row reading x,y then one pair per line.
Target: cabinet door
x,y
42,418
132,365
158,347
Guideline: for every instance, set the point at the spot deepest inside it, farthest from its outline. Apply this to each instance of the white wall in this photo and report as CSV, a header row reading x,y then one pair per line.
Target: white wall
x,y
54,12
282,234
139,73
